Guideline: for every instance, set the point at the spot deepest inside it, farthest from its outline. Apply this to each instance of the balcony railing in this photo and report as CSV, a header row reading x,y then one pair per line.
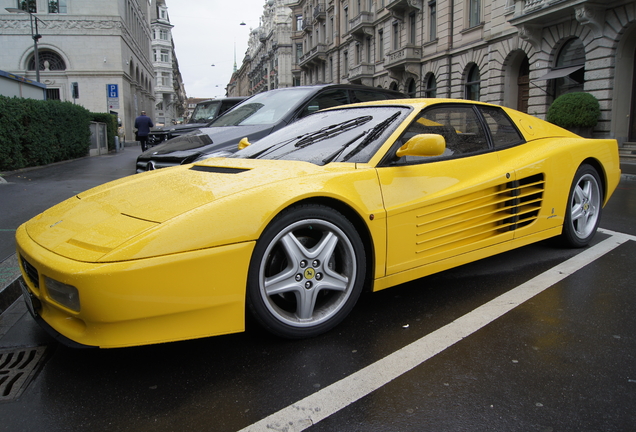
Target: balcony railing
x,y
362,24
399,58
320,12
361,71
316,55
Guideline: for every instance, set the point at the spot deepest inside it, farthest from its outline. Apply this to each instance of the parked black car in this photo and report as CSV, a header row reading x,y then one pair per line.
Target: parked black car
x,y
203,114
255,118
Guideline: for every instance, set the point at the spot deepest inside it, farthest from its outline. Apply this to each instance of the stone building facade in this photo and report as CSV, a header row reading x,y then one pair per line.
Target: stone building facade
x,y
517,53
170,95
93,44
268,62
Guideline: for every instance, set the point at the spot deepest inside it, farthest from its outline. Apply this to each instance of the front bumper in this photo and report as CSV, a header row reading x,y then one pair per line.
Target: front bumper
x,y
175,297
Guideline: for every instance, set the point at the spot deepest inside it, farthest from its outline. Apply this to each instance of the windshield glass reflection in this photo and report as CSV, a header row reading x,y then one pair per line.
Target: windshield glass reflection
x,y
263,109
340,135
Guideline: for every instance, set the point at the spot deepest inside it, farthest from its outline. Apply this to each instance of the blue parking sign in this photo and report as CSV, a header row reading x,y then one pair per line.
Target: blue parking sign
x,y
113,90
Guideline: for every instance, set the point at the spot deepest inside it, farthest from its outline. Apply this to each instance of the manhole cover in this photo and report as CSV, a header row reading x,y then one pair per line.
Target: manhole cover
x,y
17,367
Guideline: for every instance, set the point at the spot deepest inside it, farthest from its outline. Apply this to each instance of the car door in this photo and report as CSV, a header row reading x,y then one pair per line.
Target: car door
x,y
440,207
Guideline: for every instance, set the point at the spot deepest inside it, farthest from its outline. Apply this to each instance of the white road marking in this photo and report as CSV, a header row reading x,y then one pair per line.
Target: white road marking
x,y
320,405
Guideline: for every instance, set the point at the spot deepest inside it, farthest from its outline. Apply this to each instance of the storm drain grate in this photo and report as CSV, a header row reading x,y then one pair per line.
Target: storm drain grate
x,y
17,367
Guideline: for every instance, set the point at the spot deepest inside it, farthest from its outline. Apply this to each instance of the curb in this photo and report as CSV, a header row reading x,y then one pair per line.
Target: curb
x,y
9,285
9,295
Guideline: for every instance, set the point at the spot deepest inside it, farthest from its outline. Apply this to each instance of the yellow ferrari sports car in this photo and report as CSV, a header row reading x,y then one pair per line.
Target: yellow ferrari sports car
x,y
293,227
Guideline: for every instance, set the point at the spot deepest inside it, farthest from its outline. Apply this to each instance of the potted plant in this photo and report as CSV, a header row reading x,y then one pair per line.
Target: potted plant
x,y
577,112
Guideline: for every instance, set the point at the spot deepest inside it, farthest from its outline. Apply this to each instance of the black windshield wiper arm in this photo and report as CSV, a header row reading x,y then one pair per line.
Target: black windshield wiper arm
x,y
332,130
373,134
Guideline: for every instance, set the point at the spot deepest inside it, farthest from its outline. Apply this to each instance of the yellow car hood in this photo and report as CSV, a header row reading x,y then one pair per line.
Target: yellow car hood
x,y
93,223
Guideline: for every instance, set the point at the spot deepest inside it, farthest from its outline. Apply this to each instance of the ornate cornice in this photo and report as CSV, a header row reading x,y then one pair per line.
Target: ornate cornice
x,y
64,24
592,16
531,34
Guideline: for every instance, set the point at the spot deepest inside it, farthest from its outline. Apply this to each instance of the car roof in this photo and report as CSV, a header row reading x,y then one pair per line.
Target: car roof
x,y
318,87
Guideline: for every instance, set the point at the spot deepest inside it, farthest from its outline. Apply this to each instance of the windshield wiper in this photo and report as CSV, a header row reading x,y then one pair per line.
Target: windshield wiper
x,y
372,135
332,130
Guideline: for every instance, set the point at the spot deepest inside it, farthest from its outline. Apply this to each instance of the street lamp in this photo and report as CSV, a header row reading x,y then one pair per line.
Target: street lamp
x,y
35,37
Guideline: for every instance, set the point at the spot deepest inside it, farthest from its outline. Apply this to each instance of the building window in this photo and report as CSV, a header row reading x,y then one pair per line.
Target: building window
x,y
368,50
331,69
410,88
49,61
474,11
52,94
380,45
164,79
396,35
330,28
299,52
299,22
473,83
57,6
358,54
431,87
28,5
346,63
346,19
412,28
165,56
572,54
432,20
163,34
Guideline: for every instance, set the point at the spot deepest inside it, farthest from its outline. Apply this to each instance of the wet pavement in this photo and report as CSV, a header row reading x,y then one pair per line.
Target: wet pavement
x,y
562,360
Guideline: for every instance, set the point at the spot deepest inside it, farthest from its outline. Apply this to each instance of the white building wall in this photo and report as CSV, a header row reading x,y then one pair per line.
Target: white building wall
x,y
101,42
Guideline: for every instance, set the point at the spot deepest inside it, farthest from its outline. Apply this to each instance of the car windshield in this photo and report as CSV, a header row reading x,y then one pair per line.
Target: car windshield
x,y
204,112
263,108
340,135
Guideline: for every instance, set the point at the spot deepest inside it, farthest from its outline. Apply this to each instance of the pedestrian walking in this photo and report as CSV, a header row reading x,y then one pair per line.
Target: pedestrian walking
x,y
143,123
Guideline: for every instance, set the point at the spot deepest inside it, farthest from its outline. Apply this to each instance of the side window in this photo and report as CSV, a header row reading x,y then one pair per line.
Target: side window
x,y
502,130
458,124
367,96
225,106
328,99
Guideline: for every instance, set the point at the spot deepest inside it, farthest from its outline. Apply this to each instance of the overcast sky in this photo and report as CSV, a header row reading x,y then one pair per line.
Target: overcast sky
x,y
205,33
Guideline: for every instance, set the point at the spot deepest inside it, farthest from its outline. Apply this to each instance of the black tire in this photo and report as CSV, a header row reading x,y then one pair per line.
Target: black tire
x,y
584,207
306,272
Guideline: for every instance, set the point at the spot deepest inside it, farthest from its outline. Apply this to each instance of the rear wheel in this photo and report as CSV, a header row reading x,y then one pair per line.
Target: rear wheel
x,y
306,273
584,207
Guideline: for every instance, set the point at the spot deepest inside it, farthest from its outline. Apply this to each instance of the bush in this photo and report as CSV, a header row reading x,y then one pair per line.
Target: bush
x,y
574,110
35,132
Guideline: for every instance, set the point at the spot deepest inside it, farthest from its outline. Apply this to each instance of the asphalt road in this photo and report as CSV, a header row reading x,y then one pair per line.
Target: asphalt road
x,y
536,339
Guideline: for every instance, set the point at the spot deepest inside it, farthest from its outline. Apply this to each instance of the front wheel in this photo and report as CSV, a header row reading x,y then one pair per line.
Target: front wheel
x,y
585,204
306,272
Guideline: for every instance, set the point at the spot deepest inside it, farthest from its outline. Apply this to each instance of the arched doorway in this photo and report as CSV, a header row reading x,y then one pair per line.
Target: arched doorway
x,y
523,86
623,127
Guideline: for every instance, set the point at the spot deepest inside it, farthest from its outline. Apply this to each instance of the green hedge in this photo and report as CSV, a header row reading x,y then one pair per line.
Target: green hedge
x,y
574,110
35,132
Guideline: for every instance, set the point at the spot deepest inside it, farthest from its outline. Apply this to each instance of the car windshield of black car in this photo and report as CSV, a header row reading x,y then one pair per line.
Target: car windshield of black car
x,y
205,112
264,108
347,134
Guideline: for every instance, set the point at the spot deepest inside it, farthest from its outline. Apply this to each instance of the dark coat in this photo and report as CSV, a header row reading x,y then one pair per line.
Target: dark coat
x,y
143,123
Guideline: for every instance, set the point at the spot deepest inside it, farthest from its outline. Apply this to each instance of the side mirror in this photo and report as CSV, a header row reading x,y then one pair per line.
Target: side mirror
x,y
426,145
243,143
